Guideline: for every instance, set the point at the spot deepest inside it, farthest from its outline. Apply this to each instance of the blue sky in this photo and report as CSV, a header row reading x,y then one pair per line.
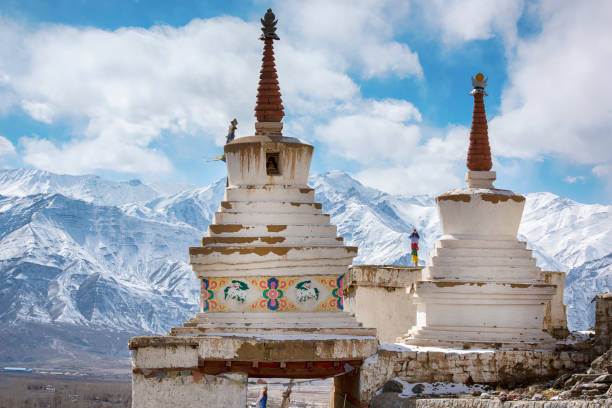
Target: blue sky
x,y
146,89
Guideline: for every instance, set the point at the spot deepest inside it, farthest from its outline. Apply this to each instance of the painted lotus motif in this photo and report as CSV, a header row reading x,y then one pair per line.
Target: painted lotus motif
x,y
338,292
273,294
206,295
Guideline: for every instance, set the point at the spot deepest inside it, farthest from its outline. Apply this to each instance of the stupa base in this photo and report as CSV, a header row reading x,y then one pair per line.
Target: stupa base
x,y
281,323
481,337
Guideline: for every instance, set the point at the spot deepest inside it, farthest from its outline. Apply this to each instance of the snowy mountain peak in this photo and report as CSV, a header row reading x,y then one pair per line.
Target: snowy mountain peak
x,y
23,182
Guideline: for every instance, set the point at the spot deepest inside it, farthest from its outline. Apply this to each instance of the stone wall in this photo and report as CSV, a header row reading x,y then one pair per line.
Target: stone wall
x,y
555,320
603,322
376,295
428,364
477,403
188,388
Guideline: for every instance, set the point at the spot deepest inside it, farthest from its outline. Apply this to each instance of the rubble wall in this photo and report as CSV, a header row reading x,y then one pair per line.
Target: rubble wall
x,y
476,403
426,364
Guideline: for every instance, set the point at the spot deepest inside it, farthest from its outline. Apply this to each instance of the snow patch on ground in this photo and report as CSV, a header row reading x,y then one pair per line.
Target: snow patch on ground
x,y
398,347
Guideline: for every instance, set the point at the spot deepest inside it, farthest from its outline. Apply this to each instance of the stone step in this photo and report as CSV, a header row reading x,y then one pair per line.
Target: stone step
x,y
270,218
297,255
481,335
279,267
489,261
483,252
271,229
301,194
270,207
253,325
272,240
274,316
481,243
330,318
483,273
279,330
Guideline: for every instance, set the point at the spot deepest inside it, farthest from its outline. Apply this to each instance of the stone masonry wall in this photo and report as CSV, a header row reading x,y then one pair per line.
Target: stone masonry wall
x,y
477,403
428,364
603,322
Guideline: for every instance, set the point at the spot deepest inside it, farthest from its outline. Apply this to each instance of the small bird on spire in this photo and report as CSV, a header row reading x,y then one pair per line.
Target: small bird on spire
x,y
230,133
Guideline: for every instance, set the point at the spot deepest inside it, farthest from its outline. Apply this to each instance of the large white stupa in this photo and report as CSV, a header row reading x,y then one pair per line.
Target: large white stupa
x,y
481,286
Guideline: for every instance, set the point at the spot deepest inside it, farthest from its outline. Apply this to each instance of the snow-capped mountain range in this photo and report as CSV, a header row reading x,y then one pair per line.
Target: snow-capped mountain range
x,y
81,254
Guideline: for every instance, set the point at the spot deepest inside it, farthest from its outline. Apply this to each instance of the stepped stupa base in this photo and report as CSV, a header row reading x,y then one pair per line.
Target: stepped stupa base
x,y
282,323
478,337
455,313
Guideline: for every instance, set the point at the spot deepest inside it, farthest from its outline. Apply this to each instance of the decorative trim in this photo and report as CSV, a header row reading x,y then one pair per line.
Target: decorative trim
x,y
272,293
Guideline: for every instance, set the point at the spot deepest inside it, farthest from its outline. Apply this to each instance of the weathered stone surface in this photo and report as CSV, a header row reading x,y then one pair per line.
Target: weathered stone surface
x,y
171,351
555,320
603,322
392,401
494,367
189,391
375,293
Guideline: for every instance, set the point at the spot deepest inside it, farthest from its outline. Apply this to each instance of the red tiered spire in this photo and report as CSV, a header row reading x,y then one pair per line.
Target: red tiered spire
x,y
479,152
269,107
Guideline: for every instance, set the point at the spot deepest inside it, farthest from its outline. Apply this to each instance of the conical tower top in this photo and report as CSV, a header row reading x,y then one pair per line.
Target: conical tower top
x,y
269,108
479,152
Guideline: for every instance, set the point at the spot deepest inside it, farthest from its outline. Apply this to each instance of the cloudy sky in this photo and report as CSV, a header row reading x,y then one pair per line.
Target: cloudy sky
x,y
146,89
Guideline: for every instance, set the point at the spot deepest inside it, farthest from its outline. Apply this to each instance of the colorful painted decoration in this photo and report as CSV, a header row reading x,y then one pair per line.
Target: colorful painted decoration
x,y
273,294
414,246
338,292
305,291
334,285
206,295
236,290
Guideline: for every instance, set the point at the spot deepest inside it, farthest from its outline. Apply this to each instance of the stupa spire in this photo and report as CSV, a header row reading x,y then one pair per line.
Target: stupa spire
x,y
479,152
269,107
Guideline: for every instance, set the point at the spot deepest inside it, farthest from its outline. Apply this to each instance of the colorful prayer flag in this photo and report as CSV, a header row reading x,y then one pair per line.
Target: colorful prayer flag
x,y
414,246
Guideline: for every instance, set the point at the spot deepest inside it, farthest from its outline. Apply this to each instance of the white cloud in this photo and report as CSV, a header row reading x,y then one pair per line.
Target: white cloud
x,y
41,112
461,21
8,155
574,179
371,131
432,167
557,102
6,147
352,34
397,154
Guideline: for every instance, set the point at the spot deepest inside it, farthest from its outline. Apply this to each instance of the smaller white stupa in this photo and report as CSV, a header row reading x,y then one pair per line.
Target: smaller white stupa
x,y
481,286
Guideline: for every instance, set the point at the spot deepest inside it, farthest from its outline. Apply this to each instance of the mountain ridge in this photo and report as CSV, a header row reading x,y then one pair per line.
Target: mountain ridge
x,y
75,254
